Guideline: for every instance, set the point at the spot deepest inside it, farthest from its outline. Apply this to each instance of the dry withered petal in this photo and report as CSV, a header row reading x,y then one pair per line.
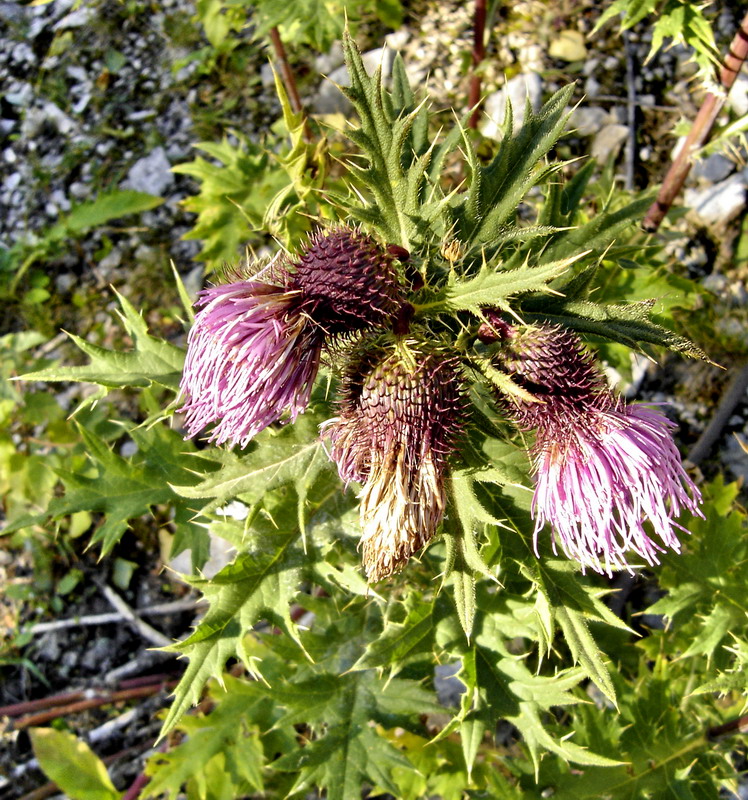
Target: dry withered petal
x,y
401,413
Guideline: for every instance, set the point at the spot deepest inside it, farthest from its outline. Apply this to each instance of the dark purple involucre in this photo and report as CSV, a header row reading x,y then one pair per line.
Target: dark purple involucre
x,y
347,280
602,468
401,412
254,350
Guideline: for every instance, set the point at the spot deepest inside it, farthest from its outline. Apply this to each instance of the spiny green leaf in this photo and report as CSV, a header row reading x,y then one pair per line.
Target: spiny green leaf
x,y
294,455
260,583
222,735
493,288
350,751
496,190
153,360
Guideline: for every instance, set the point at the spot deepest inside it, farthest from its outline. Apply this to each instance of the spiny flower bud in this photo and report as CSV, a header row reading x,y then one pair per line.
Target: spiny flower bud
x,y
401,411
348,281
552,364
602,467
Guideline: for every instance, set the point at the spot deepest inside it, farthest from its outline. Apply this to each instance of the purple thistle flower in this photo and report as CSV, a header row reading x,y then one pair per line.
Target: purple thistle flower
x,y
599,479
602,468
254,350
401,412
252,354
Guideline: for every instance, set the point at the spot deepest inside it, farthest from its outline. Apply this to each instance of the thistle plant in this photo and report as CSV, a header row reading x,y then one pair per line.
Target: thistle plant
x,y
417,386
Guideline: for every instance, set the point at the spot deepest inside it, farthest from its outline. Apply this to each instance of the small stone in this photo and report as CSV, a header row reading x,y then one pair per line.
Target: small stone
x,y
737,99
329,99
327,62
611,63
517,91
719,203
590,66
608,142
79,18
109,263
397,40
128,448
151,174
64,282
449,688
714,168
592,87
79,190
587,120
266,76
568,46
716,282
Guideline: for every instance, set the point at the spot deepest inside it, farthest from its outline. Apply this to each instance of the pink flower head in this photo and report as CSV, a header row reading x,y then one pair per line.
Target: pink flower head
x,y
603,475
254,350
252,355
608,476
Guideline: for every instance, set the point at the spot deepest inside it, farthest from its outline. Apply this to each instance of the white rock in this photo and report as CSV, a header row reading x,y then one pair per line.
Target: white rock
x,y
715,282
718,203
64,282
397,40
737,99
49,113
517,91
76,19
79,190
109,263
714,168
128,448
12,181
592,86
329,99
266,76
587,120
151,174
327,62
608,142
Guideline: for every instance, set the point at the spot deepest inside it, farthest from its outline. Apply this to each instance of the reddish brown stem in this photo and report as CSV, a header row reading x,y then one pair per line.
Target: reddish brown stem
x,y
739,725
101,699
19,709
137,786
699,132
286,72
479,53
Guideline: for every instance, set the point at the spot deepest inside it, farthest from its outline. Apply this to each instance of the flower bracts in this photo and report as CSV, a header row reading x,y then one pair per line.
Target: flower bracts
x,y
608,477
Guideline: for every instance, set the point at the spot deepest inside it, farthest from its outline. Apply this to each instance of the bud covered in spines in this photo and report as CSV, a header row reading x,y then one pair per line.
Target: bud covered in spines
x,y
552,364
401,412
348,281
